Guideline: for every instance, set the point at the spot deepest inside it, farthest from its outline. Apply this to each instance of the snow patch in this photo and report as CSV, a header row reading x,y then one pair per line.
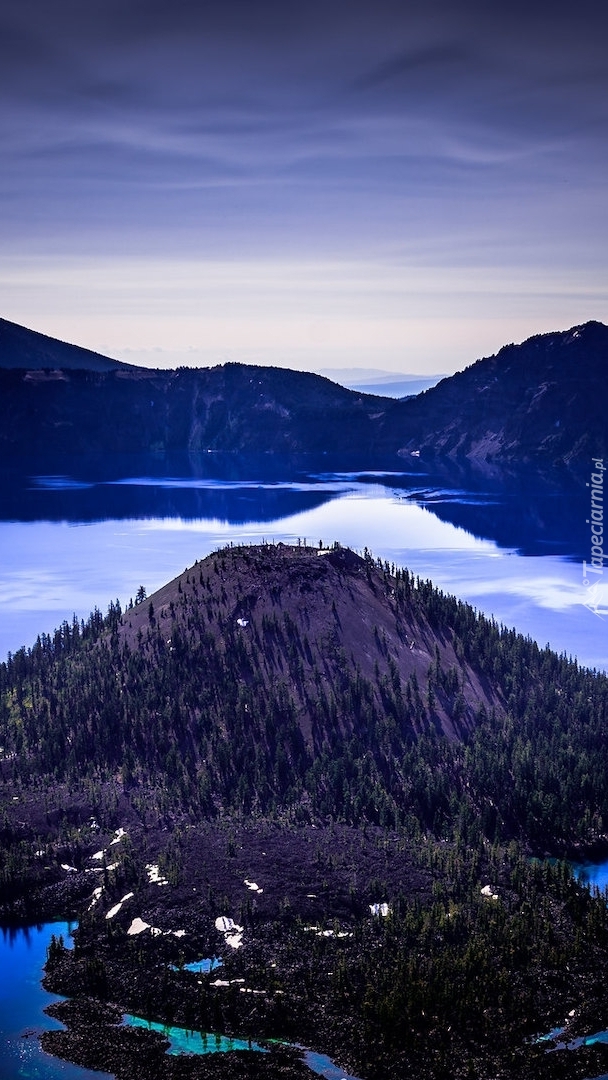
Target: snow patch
x,y
138,926
489,893
114,910
69,869
380,909
224,924
252,885
154,875
235,941
242,622
233,934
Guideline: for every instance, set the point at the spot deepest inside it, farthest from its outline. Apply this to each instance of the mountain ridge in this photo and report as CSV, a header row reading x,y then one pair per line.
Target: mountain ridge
x,y
22,348
540,402
541,399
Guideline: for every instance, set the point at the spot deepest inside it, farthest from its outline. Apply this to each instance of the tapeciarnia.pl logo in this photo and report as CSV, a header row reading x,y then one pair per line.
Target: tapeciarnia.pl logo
x,y
593,571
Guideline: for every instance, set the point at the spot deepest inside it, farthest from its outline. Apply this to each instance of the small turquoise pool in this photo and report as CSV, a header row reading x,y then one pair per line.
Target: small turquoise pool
x,y
210,963
183,1041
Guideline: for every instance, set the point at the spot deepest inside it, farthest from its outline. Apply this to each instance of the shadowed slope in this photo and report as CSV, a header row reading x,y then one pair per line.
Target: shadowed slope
x,y
23,348
541,401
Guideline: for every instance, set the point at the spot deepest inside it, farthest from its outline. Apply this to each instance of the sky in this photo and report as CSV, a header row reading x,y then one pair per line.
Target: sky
x,y
341,183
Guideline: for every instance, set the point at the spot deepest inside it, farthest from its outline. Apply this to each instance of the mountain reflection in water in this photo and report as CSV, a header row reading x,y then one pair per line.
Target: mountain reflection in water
x,y
79,534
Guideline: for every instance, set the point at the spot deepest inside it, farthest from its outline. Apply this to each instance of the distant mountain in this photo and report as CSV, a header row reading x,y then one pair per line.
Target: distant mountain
x,y
23,348
381,383
539,402
400,389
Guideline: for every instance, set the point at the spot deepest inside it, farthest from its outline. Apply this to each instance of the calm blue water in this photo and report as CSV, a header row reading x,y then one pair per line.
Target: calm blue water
x,y
593,874
22,1000
210,963
194,1042
71,540
324,1066
182,1041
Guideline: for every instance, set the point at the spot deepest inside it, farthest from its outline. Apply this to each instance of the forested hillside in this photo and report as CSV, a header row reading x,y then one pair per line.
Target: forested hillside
x,y
319,684
350,771
232,407
538,402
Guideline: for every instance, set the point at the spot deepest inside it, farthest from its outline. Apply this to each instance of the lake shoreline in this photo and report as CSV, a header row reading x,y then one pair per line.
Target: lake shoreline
x,y
96,1037
133,976
142,974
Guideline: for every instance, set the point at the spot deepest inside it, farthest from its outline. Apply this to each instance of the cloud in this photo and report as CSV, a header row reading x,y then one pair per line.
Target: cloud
x,y
397,71
434,139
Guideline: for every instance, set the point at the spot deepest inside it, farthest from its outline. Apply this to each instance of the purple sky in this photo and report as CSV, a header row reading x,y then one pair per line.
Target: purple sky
x,y
397,185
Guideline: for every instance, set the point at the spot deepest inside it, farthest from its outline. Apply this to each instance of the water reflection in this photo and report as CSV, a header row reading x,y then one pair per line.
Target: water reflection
x,y
79,534
527,511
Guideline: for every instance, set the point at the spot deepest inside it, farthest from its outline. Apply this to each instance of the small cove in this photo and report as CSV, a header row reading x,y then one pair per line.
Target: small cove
x,y
182,1041
210,963
196,1042
22,1003
593,874
23,1000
